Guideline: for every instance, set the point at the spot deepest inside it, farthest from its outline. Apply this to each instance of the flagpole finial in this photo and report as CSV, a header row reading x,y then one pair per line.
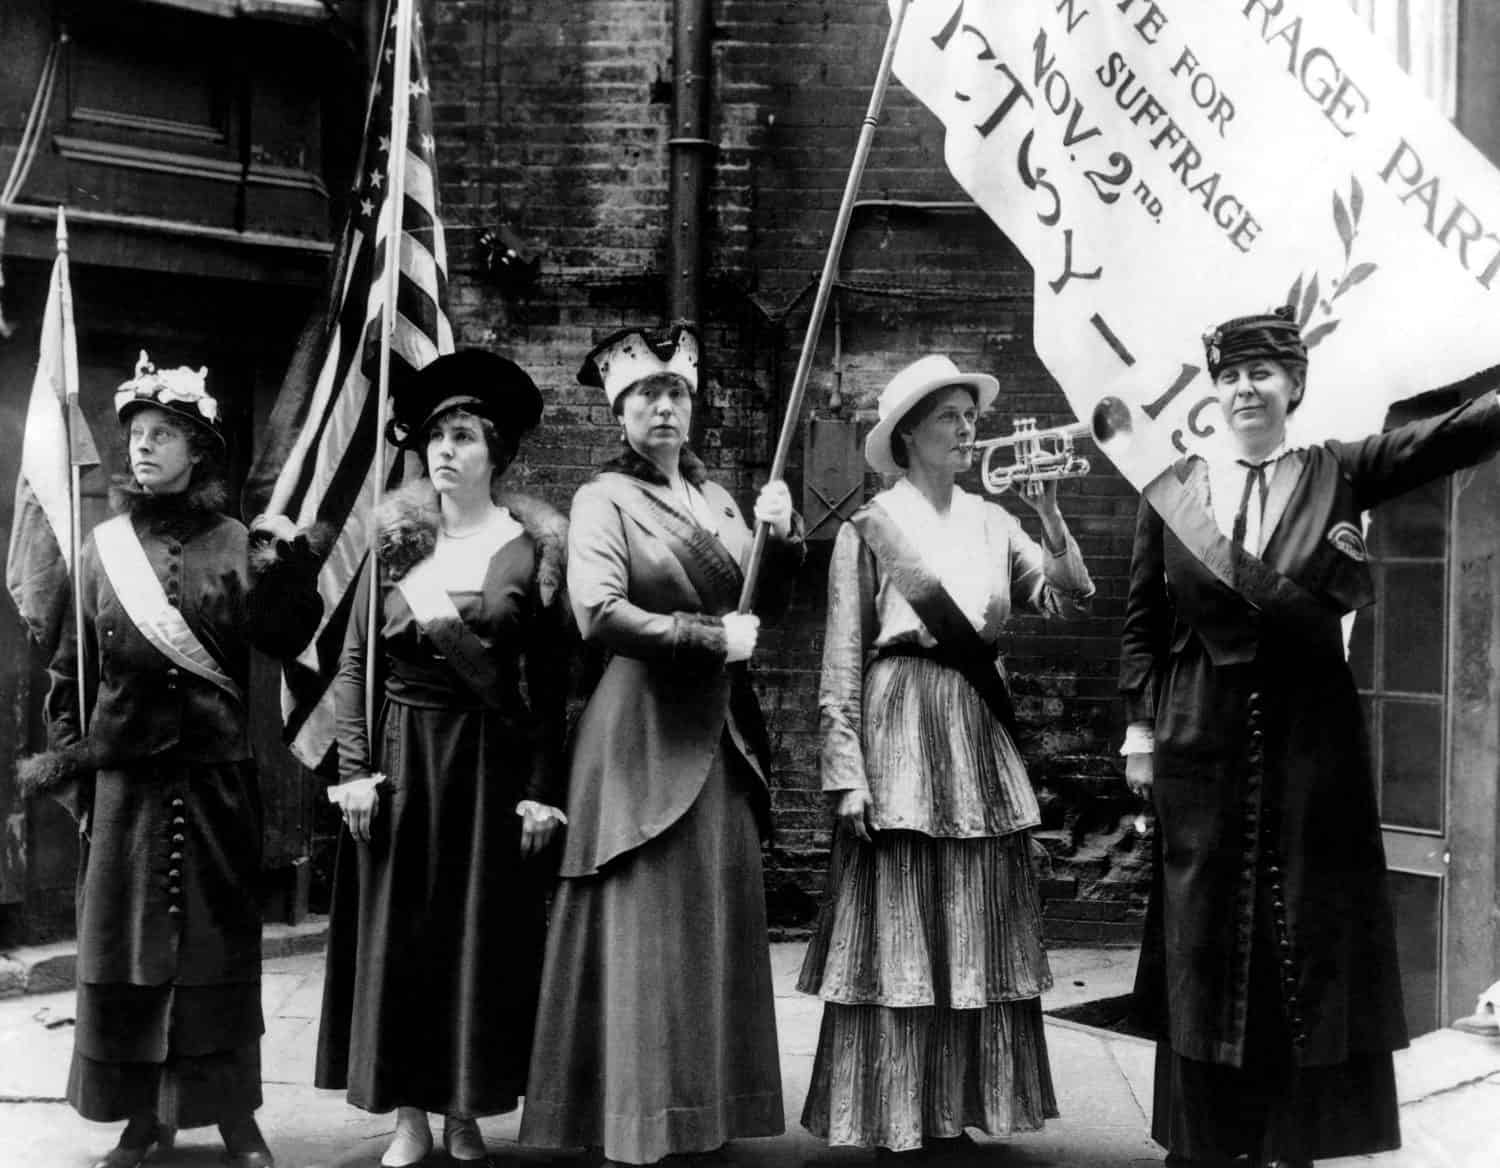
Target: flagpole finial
x,y
62,229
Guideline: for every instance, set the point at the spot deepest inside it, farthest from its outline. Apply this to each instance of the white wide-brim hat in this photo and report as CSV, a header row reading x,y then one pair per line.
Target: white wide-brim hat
x,y
908,388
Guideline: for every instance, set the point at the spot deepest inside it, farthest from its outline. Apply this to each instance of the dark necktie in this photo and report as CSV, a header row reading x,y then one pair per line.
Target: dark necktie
x,y
1255,477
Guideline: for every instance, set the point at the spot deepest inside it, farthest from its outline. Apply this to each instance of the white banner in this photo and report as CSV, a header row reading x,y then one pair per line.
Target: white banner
x,y
1167,165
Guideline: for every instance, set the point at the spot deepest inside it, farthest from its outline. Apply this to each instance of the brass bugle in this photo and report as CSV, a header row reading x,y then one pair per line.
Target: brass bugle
x,y
1039,456
1139,448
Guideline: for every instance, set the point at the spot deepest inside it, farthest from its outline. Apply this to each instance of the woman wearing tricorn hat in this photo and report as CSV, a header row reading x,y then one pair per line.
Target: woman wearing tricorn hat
x,y
437,921
1268,970
657,1030
163,782
928,952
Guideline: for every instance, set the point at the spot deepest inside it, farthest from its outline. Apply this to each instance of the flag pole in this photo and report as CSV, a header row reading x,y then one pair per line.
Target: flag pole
x,y
825,290
395,194
67,390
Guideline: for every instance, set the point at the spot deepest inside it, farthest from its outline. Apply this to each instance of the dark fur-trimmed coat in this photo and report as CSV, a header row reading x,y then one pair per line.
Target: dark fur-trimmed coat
x,y
232,597
1268,826
407,523
164,781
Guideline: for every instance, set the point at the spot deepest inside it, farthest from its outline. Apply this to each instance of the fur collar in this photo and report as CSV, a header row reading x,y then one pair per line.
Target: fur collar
x,y
190,510
638,466
408,521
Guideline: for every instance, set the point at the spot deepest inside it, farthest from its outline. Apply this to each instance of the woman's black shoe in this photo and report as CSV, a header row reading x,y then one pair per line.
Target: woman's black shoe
x,y
942,1147
140,1136
244,1146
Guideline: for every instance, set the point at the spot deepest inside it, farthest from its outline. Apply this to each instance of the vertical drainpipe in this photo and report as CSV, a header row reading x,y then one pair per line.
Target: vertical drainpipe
x,y
688,151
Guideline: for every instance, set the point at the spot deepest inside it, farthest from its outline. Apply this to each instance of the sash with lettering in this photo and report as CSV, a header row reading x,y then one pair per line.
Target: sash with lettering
x,y
439,619
959,643
711,570
145,602
716,577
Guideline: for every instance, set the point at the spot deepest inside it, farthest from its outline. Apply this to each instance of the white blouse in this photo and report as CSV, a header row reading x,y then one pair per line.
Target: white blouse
x,y
1227,474
983,558
462,562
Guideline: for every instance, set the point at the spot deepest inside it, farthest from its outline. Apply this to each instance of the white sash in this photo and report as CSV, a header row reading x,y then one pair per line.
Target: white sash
x,y
145,602
425,595
439,618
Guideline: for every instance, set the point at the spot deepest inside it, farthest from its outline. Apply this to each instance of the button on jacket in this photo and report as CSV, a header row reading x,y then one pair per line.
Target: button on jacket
x,y
171,805
1267,819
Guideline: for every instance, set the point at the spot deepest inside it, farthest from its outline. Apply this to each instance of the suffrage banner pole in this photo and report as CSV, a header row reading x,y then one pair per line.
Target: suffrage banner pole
x,y
825,290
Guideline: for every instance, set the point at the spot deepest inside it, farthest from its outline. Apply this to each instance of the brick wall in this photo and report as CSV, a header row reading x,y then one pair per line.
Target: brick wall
x,y
553,118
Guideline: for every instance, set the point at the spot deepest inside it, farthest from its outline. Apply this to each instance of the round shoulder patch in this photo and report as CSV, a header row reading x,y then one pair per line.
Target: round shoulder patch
x,y
1347,538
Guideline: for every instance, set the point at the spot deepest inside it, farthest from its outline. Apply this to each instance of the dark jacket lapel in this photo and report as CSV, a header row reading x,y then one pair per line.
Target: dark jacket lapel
x,y
713,572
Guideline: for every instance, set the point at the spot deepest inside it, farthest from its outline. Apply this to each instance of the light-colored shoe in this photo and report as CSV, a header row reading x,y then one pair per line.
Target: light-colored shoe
x,y
412,1142
463,1141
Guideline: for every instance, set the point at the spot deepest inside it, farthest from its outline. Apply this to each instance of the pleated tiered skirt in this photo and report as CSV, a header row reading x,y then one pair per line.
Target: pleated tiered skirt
x,y
928,957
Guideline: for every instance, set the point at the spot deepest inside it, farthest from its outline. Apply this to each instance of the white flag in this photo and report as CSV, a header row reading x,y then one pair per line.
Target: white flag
x,y
56,439
1166,166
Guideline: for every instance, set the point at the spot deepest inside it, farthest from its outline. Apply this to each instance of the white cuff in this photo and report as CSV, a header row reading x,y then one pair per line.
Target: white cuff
x,y
339,793
1139,739
541,811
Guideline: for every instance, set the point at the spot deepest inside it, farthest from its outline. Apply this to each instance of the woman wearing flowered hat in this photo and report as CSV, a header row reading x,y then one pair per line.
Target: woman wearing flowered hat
x,y
162,779
437,921
1268,971
928,953
657,1030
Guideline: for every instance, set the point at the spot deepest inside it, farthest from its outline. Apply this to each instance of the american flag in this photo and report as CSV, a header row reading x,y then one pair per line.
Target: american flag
x,y
317,461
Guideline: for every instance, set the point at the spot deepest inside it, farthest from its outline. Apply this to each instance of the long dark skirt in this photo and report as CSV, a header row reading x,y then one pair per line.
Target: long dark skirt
x,y
169,1009
929,960
1270,1108
657,1029
436,928
190,1055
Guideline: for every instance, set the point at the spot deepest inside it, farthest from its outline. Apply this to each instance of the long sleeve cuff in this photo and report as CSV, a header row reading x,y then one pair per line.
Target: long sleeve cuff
x,y
1065,569
1139,739
542,812
339,793
698,640
842,760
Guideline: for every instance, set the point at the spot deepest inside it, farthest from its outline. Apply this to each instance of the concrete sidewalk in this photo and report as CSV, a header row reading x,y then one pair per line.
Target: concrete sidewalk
x,y
1449,1084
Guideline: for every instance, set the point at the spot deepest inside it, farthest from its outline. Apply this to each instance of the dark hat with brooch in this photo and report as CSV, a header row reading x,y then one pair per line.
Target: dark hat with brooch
x,y
181,393
477,381
1271,335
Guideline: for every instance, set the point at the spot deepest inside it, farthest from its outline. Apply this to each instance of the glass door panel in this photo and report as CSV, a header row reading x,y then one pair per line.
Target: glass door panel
x,y
1398,651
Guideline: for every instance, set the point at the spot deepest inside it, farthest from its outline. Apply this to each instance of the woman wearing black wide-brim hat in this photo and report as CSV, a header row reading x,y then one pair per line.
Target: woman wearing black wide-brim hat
x,y
437,922
163,782
1268,970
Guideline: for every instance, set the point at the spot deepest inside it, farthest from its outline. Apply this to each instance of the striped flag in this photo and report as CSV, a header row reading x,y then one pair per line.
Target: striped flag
x,y
56,439
316,465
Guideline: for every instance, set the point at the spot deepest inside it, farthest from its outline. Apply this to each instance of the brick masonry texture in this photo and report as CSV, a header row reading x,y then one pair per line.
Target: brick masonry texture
x,y
553,118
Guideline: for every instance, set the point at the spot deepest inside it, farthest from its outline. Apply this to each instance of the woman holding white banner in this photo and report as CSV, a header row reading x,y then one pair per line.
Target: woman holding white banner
x,y
1268,971
163,782
928,953
438,917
